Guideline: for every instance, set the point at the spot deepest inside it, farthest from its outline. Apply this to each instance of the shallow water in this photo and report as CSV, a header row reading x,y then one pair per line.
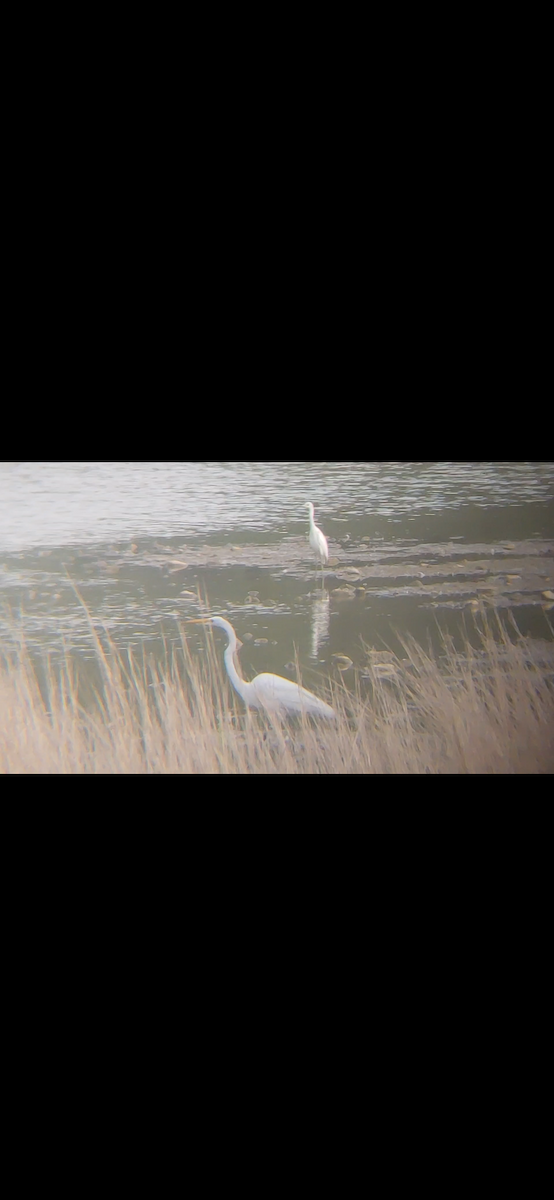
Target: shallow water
x,y
431,540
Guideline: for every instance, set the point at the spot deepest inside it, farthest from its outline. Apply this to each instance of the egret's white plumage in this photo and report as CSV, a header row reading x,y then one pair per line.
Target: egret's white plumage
x,y
270,692
317,539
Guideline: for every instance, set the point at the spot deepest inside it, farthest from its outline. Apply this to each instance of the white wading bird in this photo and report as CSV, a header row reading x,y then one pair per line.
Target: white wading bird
x,y
270,692
317,540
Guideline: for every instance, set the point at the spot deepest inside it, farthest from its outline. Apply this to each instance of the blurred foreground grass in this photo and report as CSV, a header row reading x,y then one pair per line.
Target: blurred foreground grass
x,y
488,709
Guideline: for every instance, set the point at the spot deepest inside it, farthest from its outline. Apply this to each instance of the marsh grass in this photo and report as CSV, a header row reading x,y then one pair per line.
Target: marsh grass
x,y
479,709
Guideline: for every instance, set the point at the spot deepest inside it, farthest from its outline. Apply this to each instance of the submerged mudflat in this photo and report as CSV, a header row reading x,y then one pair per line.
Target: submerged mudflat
x,y
414,546
272,591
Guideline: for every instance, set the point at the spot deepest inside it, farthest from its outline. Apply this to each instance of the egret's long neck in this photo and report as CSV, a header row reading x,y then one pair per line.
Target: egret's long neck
x,y
232,672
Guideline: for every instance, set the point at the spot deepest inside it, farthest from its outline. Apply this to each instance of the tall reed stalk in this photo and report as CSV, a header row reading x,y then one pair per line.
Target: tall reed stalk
x,y
485,710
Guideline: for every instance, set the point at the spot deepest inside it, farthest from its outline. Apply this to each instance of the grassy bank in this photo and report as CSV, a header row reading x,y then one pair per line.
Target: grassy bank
x,y
474,710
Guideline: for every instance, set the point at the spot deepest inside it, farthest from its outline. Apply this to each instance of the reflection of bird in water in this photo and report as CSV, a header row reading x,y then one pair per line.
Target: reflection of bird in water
x,y
318,541
320,621
270,692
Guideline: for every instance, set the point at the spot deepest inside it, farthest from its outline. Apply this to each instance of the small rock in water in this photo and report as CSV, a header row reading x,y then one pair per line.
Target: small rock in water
x,y
248,637
333,562
548,595
134,548
342,661
384,670
261,642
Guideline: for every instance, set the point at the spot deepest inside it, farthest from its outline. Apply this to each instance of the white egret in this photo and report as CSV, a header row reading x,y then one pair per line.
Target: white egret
x,y
317,539
270,692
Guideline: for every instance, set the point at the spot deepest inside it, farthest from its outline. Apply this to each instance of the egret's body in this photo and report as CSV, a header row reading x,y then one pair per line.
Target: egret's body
x,y
270,692
317,539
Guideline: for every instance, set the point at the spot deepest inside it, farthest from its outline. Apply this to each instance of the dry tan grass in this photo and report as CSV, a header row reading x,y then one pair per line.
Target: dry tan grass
x,y
475,711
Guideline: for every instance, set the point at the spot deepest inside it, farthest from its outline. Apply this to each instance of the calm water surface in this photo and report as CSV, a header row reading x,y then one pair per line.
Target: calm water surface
x,y
426,540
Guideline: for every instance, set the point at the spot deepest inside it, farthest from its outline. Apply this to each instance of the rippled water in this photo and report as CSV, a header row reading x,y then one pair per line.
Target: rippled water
x,y
57,504
424,539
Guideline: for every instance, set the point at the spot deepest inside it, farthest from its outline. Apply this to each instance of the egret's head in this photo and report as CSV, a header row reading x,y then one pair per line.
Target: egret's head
x,y
220,623
311,507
